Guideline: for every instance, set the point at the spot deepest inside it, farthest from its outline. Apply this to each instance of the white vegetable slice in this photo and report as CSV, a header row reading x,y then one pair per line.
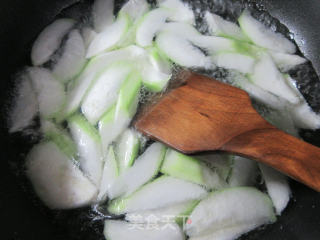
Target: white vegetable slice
x,y
49,40
108,129
60,137
282,120
182,52
127,148
214,45
263,36
72,59
223,28
151,23
118,117
88,34
228,208
148,163
94,68
135,9
102,13
176,212
304,117
128,98
235,61
109,175
155,71
162,192
110,36
243,173
181,29
257,92
267,76
89,147
181,12
121,230
104,93
50,92
159,62
226,233
277,186
286,62
190,169
56,180
25,106
221,163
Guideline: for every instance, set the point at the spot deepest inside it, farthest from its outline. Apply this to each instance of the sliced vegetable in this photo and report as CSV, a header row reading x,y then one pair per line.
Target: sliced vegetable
x,y
263,36
282,120
223,28
267,76
50,92
127,149
155,75
176,212
128,98
121,230
190,169
109,175
72,59
182,52
243,173
102,13
104,93
162,192
213,45
151,23
181,12
60,137
110,36
88,34
135,9
257,92
158,61
181,29
56,180
49,40
236,61
286,62
25,106
92,71
277,186
228,208
148,163
210,44
222,163
304,117
109,130
89,147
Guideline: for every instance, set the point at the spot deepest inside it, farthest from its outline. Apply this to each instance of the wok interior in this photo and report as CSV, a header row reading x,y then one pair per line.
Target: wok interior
x,y
24,217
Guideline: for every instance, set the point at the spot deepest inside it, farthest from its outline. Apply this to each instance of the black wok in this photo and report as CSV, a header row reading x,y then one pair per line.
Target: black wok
x,y
22,217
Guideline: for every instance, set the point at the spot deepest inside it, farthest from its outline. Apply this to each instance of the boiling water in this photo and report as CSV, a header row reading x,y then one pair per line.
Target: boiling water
x,y
87,223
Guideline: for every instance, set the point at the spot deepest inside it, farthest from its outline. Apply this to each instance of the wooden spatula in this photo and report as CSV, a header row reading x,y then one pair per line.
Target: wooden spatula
x,y
207,115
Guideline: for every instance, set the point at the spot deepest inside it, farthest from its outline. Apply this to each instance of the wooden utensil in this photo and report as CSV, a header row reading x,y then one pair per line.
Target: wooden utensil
x,y
207,115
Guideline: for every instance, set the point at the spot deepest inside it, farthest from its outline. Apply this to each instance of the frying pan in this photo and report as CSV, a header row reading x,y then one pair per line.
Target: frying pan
x,y
22,217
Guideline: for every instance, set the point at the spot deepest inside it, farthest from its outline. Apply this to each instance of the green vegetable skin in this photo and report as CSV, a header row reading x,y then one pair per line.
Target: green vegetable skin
x,y
182,166
127,148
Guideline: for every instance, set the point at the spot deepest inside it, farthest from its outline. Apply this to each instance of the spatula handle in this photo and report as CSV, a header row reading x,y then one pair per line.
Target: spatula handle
x,y
284,152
